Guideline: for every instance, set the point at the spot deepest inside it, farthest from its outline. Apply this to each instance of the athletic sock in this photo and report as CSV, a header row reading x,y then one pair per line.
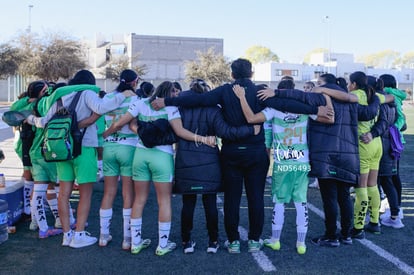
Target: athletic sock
x,y
136,225
163,233
278,220
39,193
72,219
374,203
360,207
52,201
126,213
27,192
302,221
105,217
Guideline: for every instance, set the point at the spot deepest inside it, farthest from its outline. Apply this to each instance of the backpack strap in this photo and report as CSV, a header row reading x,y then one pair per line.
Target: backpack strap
x,y
74,102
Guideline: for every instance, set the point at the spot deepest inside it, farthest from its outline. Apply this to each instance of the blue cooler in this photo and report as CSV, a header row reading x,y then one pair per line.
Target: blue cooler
x,y
13,194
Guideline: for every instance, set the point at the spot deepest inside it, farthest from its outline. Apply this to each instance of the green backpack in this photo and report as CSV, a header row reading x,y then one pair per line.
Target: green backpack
x,y
62,138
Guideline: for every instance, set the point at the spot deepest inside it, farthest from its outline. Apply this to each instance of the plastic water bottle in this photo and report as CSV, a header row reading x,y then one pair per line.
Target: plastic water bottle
x,y
4,234
2,180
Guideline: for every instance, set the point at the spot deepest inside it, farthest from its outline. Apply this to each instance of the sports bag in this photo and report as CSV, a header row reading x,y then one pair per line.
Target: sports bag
x,y
397,146
62,138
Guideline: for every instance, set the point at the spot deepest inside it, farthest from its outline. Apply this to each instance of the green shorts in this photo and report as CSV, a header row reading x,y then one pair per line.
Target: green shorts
x,y
117,159
83,168
290,182
44,171
370,155
152,164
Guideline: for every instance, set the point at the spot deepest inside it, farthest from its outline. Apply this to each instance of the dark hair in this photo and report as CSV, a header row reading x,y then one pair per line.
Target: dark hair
x,y
34,88
163,90
332,79
389,81
286,84
145,90
261,87
177,86
83,77
241,68
361,81
126,79
58,85
199,86
375,83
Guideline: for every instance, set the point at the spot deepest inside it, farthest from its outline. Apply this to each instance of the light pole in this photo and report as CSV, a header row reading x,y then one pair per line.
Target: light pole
x,y
29,28
328,22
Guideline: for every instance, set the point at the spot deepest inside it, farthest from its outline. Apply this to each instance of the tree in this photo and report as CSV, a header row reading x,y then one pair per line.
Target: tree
x,y
307,58
10,59
259,54
407,60
117,64
209,66
50,57
383,59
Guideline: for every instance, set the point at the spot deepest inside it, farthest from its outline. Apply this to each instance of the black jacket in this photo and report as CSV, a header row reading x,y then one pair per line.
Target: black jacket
x,y
387,116
231,108
197,166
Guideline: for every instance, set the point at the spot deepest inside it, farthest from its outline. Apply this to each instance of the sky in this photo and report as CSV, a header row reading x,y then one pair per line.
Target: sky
x,y
290,29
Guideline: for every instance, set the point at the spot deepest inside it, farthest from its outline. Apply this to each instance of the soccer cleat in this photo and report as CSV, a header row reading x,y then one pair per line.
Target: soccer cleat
x,y
233,247
160,251
324,241
357,234
82,239
345,240
67,238
394,223
104,239
212,247
373,228
136,248
51,231
272,243
189,247
300,248
126,243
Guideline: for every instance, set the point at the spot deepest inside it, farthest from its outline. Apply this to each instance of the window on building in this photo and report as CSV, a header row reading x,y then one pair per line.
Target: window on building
x,y
407,77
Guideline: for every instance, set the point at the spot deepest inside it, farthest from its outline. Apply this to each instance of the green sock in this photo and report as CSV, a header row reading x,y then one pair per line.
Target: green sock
x,y
360,207
374,203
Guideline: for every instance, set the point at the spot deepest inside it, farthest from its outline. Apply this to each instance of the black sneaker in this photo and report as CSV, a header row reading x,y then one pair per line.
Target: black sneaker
x,y
212,247
345,240
373,228
357,234
324,241
189,247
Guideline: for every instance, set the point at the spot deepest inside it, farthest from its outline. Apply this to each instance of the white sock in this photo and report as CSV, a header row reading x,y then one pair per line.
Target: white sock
x,y
163,233
126,213
302,221
57,188
136,225
105,217
72,219
27,192
278,220
39,193
53,204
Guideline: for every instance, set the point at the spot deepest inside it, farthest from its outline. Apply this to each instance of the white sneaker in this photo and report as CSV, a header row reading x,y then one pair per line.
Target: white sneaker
x,y
67,238
82,239
104,239
397,223
58,224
